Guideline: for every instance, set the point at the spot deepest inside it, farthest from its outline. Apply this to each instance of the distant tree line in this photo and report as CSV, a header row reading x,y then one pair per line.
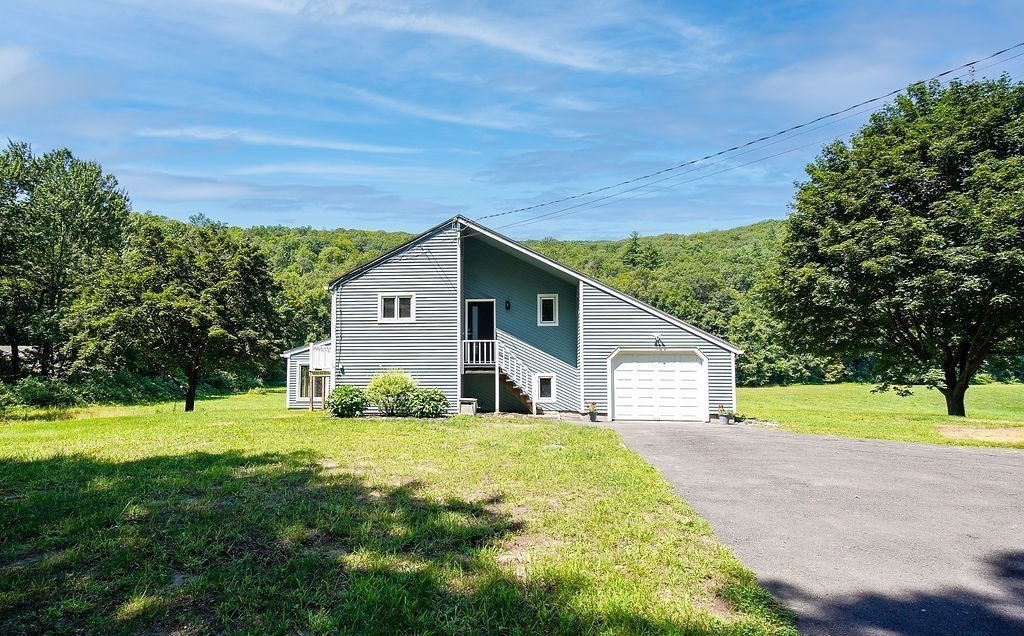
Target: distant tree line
x,y
902,263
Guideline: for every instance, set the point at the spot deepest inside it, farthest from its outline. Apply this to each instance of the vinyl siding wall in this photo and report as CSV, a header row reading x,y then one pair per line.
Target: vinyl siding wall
x,y
489,272
609,323
426,348
292,392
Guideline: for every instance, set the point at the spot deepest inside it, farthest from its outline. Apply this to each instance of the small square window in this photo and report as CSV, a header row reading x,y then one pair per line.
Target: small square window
x,y
545,388
397,308
547,310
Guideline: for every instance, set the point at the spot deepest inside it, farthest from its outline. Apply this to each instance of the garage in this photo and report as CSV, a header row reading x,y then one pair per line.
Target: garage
x,y
658,385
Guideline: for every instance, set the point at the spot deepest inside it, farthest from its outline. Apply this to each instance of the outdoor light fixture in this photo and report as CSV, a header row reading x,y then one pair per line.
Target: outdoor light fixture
x,y
508,304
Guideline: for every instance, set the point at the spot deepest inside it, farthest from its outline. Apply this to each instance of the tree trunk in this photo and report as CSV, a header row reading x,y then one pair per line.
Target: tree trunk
x,y
12,339
190,392
955,400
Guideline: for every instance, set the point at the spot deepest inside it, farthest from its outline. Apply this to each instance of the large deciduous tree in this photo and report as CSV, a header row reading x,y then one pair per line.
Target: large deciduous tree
x,y
58,216
908,242
181,296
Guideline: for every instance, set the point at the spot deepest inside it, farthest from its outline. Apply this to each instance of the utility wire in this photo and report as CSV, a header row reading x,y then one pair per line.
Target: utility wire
x,y
566,211
556,213
752,142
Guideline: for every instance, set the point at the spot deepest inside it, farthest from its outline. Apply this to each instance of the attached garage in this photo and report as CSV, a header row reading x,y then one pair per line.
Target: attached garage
x,y
658,384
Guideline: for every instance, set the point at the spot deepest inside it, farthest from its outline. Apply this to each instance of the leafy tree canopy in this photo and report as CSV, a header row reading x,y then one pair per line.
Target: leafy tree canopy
x,y
180,296
908,242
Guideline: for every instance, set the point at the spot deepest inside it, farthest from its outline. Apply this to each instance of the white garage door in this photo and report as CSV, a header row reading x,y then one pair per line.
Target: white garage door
x,y
659,385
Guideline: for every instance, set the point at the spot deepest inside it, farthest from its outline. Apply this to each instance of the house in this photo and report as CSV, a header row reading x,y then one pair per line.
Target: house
x,y
479,316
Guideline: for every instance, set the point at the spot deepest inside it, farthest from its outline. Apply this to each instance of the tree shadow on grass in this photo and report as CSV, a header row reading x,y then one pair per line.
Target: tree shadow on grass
x,y
267,543
951,611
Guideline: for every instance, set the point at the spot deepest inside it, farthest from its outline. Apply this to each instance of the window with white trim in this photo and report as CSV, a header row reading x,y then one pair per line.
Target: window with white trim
x,y
545,388
396,308
303,380
547,310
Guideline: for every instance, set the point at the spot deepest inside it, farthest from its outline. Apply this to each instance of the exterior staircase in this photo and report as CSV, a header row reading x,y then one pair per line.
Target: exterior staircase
x,y
516,375
490,356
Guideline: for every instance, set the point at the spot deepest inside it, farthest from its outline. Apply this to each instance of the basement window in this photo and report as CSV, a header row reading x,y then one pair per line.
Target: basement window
x,y
547,310
545,388
396,308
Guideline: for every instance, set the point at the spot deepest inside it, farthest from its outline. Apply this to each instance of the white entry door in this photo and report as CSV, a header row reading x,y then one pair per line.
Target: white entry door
x,y
659,385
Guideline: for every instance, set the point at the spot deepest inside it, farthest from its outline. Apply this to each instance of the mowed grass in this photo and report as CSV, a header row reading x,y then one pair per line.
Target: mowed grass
x,y
244,517
852,410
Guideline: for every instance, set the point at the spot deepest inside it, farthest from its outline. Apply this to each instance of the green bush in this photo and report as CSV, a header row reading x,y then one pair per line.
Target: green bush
x,y
429,403
347,401
45,392
7,400
391,392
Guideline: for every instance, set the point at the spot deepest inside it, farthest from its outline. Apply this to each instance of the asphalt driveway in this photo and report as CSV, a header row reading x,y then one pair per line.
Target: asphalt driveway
x,y
858,537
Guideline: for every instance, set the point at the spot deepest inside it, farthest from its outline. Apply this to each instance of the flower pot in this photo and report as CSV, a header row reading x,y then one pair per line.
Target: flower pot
x,y
593,416
723,418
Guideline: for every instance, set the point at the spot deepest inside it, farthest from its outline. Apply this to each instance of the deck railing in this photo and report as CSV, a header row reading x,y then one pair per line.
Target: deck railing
x,y
320,357
478,353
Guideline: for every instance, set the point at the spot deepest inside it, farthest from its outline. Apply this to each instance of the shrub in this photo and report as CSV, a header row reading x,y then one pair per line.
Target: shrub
x,y
257,390
392,392
347,401
7,400
429,403
45,392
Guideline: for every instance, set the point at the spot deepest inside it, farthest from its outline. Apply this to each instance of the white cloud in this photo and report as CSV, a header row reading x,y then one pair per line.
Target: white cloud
x,y
492,117
402,174
529,42
15,61
209,133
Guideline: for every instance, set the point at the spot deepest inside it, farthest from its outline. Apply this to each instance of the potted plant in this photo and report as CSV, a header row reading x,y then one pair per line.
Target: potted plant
x,y
723,415
592,411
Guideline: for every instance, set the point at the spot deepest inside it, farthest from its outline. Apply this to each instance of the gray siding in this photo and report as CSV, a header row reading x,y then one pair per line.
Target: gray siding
x,y
292,392
609,323
426,348
489,272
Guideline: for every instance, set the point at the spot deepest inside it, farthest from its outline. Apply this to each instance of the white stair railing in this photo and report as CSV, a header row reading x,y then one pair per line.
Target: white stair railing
x,y
515,370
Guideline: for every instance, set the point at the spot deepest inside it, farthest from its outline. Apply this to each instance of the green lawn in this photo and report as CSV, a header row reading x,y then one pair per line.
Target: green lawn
x,y
244,517
995,412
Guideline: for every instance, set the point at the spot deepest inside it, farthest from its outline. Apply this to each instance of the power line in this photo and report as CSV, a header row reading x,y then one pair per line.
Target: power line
x,y
755,141
577,207
556,213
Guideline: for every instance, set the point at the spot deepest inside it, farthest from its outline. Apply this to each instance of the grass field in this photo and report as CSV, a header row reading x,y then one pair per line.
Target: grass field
x,y
244,517
995,413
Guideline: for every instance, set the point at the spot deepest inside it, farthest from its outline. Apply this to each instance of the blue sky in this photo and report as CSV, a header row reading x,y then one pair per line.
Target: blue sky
x,y
398,115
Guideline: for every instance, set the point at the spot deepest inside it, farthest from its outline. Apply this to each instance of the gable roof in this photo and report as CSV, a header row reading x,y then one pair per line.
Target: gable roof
x,y
411,243
522,249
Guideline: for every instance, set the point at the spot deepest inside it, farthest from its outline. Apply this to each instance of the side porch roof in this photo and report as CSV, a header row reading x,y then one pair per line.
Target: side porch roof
x,y
305,347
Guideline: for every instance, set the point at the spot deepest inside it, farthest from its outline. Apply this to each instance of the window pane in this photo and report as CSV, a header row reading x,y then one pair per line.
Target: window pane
x,y
545,387
303,380
405,307
547,310
388,310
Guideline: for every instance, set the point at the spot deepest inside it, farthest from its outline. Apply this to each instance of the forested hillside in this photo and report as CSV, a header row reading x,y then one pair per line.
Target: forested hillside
x,y
304,260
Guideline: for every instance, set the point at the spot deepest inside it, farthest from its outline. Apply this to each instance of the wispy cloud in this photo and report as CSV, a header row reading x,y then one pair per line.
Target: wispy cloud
x,y
255,138
528,42
401,174
497,117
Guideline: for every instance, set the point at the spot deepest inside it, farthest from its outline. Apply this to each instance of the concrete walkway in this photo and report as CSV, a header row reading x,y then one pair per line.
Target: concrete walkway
x,y
858,537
